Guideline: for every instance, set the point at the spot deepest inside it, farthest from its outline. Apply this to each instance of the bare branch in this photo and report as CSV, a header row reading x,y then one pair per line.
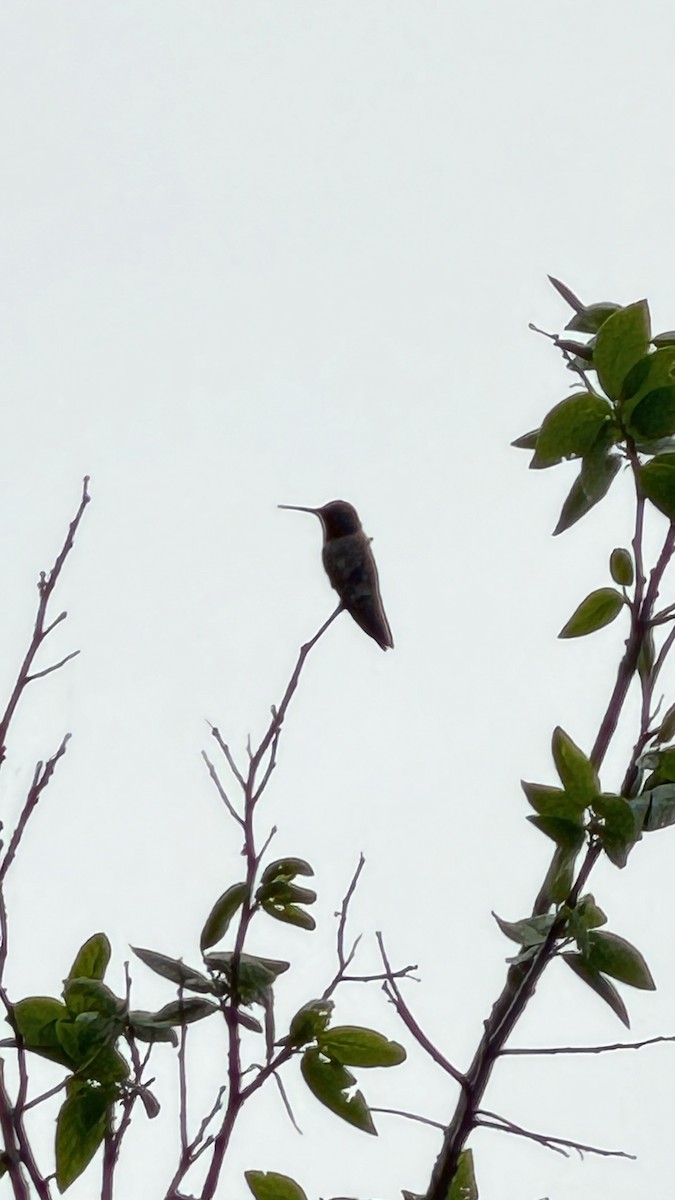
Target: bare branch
x,y
54,667
399,1112
560,1145
41,778
392,990
230,761
46,586
221,790
604,1049
286,1102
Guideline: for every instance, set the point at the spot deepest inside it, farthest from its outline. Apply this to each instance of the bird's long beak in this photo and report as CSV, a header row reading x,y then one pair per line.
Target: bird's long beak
x,y
299,508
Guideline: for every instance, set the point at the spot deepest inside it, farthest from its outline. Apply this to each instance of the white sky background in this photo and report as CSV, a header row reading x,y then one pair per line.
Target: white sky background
x,y
256,253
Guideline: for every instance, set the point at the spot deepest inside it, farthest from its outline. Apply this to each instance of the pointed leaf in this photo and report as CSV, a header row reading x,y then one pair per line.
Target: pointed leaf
x,y
184,1012
622,340
464,1186
570,429
621,567
619,829
577,774
590,319
658,483
660,811
145,1027
664,339
268,1185
218,920
567,294
582,497
173,969
599,608
354,1046
92,958
80,1129
566,834
221,960
614,956
329,1082
530,931
598,983
552,802
527,441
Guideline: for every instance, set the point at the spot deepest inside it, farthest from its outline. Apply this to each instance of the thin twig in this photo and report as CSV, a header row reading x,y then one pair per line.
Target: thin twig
x,y
221,790
560,1145
46,586
41,778
603,1049
399,1112
54,667
230,761
394,993
286,1102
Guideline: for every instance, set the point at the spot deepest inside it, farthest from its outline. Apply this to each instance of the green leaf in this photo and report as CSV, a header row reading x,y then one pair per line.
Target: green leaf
x,y
35,1020
619,830
80,1129
144,1026
92,958
281,893
552,802
530,931
570,429
658,483
654,416
589,913
622,340
268,1185
664,339
221,960
598,983
559,877
329,1082
90,995
290,914
660,811
621,567
615,956
527,441
599,608
569,835
354,1046
218,920
309,1022
184,1012
286,868
577,774
173,969
590,319
254,976
654,371
464,1186
587,491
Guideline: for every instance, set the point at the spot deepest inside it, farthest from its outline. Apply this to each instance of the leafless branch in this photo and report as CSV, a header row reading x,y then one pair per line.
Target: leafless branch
x,y
221,790
603,1049
286,1102
560,1145
399,1112
41,777
54,667
393,992
46,586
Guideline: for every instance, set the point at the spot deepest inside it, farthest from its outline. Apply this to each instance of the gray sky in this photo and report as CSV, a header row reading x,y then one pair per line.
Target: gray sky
x,y
274,252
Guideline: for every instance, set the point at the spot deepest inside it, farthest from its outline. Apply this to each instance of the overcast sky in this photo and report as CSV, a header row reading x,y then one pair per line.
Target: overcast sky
x,y
284,252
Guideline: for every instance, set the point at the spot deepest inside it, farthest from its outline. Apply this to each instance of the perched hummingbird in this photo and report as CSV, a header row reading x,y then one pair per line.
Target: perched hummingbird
x,y
350,566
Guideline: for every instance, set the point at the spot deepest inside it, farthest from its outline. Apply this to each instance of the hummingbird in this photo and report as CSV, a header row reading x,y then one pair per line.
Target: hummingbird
x,y
350,566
